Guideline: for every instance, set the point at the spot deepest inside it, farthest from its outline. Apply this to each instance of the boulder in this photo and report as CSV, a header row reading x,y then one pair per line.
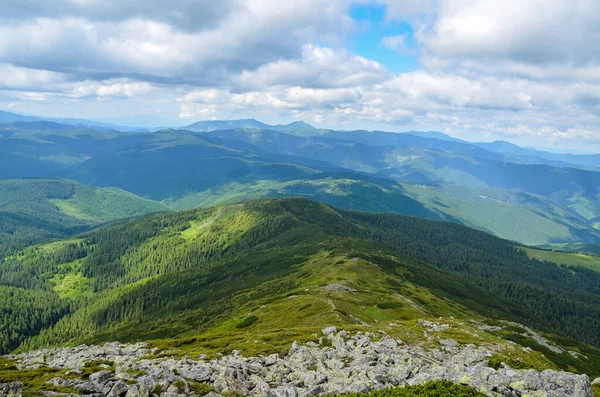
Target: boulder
x,y
15,389
100,377
119,389
329,331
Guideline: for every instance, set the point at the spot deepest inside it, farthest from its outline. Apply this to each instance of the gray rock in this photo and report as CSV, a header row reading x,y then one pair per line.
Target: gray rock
x,y
358,362
89,388
286,391
596,381
315,391
119,389
329,330
15,389
100,377
133,392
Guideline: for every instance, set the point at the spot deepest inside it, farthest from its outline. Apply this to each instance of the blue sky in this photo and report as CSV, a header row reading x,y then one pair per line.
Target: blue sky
x,y
477,70
373,28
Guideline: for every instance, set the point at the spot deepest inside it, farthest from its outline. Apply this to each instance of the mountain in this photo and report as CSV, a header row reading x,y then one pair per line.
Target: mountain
x,y
531,204
212,125
274,271
533,156
435,134
8,117
38,209
184,170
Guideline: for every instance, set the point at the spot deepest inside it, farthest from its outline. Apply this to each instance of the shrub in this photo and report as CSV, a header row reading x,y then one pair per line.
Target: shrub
x,y
441,388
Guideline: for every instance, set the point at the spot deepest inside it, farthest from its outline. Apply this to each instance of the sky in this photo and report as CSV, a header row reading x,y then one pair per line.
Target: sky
x,y
526,71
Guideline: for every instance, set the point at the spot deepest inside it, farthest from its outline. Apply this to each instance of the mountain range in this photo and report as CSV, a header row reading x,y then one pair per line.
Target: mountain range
x,y
239,236
518,195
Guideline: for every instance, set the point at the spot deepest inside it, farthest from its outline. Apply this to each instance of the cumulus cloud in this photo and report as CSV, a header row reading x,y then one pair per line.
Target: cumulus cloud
x,y
318,67
529,31
522,69
247,35
191,15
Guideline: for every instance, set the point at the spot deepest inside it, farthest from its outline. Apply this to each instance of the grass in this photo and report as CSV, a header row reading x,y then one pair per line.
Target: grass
x,y
517,216
565,258
102,205
441,388
34,380
496,362
71,283
199,389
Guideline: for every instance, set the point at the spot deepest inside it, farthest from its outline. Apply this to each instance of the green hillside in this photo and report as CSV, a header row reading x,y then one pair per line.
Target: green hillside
x,y
511,214
34,209
583,248
566,258
274,271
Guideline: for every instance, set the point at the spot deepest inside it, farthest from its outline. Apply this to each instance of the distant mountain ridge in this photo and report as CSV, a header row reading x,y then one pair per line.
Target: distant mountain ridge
x,y
362,170
512,151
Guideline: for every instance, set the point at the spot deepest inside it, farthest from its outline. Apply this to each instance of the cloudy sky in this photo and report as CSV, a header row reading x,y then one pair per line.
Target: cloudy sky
x,y
527,71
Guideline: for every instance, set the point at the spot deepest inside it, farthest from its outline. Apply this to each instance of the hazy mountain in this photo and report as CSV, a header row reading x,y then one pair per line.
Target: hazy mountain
x,y
8,117
186,169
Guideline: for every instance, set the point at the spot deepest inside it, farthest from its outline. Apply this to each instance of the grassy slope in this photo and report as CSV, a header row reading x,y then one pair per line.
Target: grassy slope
x,y
33,209
513,215
583,248
566,258
104,205
190,276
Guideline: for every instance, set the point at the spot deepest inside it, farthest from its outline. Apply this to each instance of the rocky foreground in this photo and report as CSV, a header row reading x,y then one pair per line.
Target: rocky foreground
x,y
338,363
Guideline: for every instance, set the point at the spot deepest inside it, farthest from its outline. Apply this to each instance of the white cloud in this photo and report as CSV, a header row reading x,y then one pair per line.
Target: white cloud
x,y
523,69
528,31
318,67
248,35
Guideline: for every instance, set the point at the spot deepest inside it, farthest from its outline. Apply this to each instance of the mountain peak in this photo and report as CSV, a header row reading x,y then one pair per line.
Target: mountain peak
x,y
299,124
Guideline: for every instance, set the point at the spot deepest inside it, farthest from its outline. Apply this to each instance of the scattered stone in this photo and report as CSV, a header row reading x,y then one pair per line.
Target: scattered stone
x,y
433,326
353,363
